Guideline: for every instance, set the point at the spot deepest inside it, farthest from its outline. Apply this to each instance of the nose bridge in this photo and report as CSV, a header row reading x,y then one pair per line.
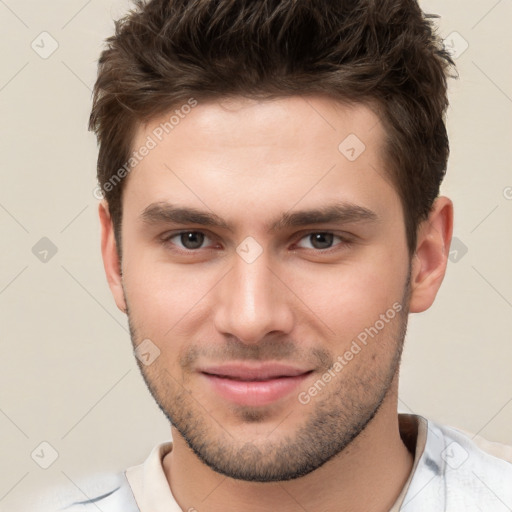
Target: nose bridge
x,y
252,281
251,302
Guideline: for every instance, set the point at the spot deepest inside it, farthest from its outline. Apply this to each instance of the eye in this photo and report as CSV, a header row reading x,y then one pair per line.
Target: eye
x,y
188,240
320,240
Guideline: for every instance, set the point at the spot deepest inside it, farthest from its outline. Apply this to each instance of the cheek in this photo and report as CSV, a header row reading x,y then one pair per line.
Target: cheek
x,y
161,295
348,298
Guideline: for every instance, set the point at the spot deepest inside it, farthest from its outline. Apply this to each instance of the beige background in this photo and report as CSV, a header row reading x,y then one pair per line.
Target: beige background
x,y
67,374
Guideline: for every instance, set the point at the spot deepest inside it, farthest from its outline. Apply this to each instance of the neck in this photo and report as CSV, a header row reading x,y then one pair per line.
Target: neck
x,y
367,476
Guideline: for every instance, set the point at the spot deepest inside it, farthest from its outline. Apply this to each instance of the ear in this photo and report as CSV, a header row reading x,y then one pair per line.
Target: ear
x,y
431,256
110,256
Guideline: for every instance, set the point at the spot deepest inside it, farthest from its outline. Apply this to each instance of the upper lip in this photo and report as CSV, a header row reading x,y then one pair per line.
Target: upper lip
x,y
254,372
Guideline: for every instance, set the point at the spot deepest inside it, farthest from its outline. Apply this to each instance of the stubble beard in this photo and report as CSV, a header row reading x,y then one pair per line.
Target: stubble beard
x,y
334,419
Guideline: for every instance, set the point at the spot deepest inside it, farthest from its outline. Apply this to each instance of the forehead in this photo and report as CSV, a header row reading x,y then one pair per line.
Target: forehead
x,y
270,154
282,123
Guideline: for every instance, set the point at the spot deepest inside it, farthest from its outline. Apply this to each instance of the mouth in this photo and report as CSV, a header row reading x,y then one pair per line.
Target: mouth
x,y
245,372
256,385
243,379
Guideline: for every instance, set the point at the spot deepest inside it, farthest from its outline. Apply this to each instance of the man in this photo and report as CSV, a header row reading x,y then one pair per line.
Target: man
x,y
271,216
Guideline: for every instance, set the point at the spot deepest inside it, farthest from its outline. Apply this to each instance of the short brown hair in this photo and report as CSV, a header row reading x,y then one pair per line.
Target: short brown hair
x,y
380,52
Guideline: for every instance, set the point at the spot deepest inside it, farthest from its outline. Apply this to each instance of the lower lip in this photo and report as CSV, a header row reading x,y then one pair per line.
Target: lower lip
x,y
254,393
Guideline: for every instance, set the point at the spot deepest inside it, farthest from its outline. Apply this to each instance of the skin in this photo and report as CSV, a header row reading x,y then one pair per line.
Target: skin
x,y
249,162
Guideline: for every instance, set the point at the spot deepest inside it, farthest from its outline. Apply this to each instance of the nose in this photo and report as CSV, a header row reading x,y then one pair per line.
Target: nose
x,y
252,302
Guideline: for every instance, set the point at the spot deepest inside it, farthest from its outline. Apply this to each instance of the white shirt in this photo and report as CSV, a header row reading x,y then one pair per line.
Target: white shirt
x,y
451,473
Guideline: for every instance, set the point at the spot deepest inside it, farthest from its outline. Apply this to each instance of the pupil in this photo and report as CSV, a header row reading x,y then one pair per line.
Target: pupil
x,y
192,239
321,240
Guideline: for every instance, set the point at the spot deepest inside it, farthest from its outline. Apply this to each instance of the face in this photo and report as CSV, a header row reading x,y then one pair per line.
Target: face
x,y
257,234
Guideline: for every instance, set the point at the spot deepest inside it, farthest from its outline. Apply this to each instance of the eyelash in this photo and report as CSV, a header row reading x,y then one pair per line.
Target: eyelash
x,y
344,241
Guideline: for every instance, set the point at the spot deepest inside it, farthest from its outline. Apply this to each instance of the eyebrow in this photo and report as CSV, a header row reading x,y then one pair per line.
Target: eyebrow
x,y
343,213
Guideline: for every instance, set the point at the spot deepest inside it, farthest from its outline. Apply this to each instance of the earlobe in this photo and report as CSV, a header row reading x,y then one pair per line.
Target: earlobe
x,y
431,256
110,256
